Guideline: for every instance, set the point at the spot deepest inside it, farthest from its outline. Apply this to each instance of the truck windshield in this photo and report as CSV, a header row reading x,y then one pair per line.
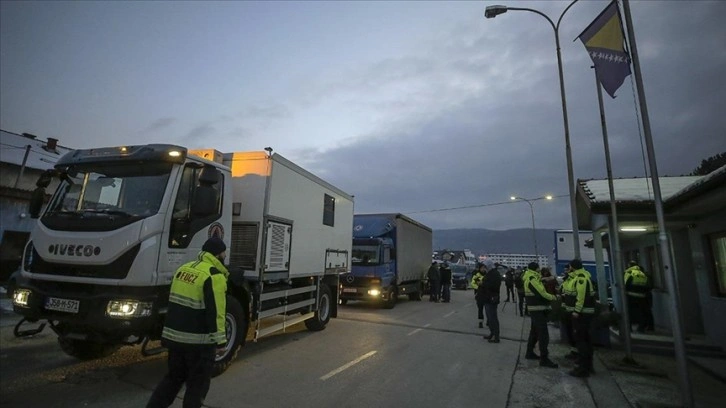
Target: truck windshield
x,y
129,190
366,255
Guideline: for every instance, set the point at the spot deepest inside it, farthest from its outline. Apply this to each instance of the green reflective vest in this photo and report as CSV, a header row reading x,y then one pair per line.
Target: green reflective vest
x,y
636,282
569,293
477,280
538,299
584,292
197,304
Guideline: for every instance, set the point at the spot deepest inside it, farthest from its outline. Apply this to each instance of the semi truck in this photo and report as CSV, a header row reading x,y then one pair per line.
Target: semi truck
x,y
99,264
391,255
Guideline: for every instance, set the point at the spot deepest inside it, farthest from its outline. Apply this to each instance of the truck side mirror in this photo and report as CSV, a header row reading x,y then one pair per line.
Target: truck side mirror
x,y
38,196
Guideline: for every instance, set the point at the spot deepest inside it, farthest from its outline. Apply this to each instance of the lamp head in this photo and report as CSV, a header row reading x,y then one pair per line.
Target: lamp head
x,y
512,198
493,11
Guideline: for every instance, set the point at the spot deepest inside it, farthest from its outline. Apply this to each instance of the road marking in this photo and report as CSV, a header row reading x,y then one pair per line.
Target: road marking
x,y
449,314
347,366
419,329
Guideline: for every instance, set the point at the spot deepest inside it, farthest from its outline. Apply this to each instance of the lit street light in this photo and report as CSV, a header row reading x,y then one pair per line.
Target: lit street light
x,y
531,208
493,11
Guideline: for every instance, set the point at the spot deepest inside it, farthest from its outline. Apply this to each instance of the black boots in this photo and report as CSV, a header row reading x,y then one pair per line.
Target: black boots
x,y
546,362
531,356
481,325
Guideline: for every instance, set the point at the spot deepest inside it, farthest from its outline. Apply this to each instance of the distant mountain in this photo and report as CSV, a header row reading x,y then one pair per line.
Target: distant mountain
x,y
484,241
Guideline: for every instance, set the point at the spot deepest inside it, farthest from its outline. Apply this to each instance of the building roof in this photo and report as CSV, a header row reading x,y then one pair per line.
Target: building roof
x,y
13,147
635,189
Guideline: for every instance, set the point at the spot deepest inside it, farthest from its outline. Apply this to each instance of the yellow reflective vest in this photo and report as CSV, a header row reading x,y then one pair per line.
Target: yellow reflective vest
x,y
584,292
477,280
535,293
569,294
197,304
636,282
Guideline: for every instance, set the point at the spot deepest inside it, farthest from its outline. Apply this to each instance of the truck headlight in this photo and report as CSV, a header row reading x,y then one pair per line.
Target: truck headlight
x,y
128,308
374,292
20,297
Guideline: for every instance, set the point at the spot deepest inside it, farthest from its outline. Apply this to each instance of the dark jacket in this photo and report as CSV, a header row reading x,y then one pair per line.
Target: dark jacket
x,y
489,290
509,279
433,274
445,275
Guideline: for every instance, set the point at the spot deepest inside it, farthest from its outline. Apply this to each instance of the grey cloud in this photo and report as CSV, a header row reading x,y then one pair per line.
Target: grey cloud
x,y
159,124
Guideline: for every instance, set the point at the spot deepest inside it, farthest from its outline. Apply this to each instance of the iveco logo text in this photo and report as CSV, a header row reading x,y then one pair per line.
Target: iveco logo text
x,y
74,250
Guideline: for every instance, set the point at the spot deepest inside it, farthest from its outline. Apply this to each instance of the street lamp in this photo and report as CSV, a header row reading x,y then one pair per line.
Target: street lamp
x,y
531,209
493,11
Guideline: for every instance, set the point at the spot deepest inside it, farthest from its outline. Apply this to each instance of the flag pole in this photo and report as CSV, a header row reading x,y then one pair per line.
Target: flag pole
x,y
625,321
675,306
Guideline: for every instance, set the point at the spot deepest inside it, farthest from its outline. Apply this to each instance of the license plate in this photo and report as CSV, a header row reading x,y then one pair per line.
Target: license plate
x,y
349,290
62,305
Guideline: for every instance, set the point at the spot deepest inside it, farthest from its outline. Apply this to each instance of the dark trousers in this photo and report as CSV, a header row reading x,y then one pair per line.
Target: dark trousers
x,y
510,291
492,319
636,309
480,308
193,367
435,290
538,333
446,292
520,295
569,329
581,325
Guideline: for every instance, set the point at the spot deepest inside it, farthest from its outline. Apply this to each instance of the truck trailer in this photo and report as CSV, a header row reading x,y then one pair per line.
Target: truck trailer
x,y
565,252
99,264
391,255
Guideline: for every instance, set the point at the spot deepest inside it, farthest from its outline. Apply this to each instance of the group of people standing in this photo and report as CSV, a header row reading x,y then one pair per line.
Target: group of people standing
x,y
439,277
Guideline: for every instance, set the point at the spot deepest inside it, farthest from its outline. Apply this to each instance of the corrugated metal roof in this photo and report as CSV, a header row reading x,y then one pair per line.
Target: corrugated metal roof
x,y
636,189
13,146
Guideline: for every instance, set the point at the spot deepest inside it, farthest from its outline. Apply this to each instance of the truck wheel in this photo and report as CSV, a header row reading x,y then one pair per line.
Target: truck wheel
x,y
86,350
236,323
416,295
322,315
391,298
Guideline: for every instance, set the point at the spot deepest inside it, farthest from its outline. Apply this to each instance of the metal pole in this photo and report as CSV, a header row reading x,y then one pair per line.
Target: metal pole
x,y
625,321
679,343
534,231
568,150
22,166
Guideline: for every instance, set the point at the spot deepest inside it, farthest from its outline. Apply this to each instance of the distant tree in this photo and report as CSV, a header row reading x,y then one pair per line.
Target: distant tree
x,y
710,164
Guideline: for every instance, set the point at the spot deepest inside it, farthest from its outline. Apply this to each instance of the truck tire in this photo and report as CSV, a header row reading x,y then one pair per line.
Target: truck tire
x,y
86,350
236,323
416,295
322,315
391,298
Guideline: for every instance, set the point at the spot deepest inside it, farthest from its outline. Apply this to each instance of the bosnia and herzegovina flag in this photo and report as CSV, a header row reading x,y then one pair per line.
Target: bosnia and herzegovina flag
x,y
604,40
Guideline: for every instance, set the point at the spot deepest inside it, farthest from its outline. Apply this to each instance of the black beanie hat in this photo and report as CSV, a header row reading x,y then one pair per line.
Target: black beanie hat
x,y
214,246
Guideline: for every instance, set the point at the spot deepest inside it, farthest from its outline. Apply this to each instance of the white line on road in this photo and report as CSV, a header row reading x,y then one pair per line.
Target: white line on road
x,y
449,314
419,329
347,366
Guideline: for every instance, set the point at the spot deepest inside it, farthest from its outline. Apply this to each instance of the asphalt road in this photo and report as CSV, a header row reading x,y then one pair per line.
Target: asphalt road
x,y
417,354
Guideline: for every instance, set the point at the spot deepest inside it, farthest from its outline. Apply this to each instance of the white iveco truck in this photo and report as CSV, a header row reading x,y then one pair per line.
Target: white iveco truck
x,y
99,264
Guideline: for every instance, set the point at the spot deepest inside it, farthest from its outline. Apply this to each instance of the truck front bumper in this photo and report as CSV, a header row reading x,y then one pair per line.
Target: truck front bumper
x,y
91,312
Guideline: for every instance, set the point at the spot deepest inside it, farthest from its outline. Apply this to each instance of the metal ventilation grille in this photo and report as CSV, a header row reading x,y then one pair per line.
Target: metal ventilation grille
x,y
277,248
243,252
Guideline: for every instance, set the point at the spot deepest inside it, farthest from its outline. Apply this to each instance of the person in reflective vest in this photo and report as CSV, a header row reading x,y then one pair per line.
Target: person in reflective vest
x,y
194,328
636,290
582,315
476,282
538,304
569,297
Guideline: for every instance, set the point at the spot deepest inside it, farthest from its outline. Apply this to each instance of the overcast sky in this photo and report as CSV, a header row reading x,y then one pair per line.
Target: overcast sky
x,y
409,106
